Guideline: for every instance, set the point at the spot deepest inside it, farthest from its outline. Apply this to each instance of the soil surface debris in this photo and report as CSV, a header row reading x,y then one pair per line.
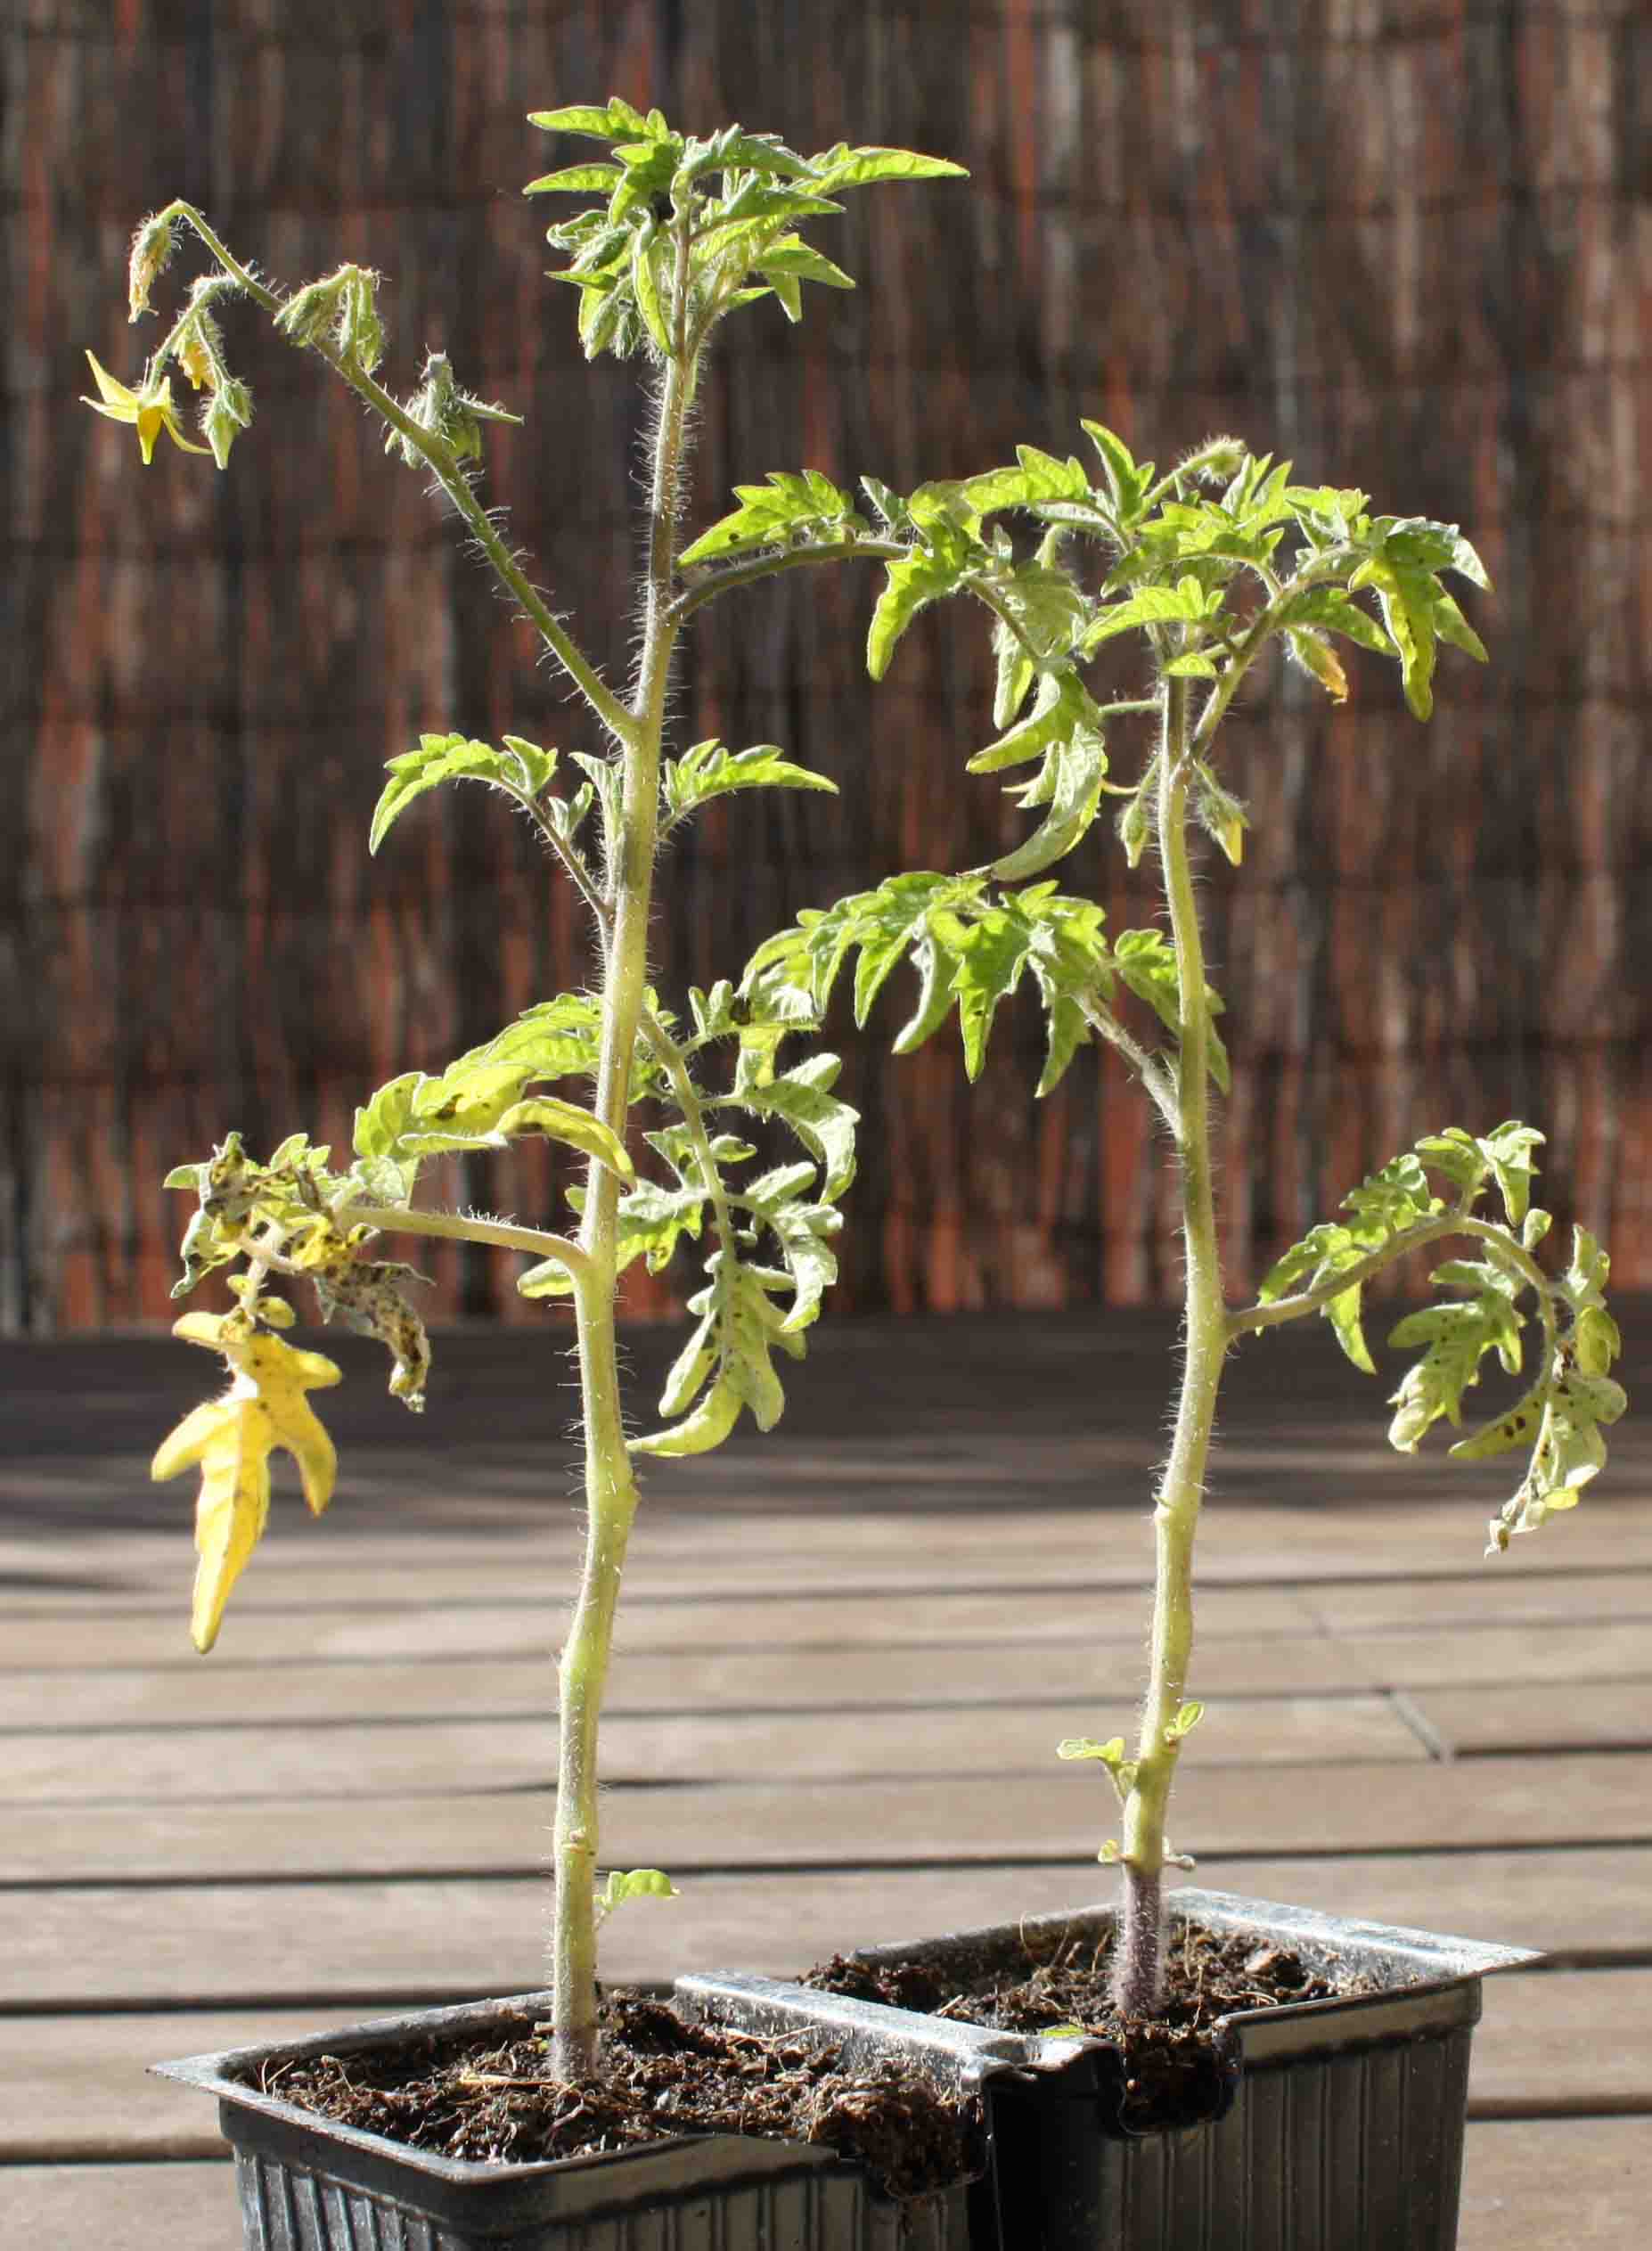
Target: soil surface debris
x,y
485,2097
1174,2072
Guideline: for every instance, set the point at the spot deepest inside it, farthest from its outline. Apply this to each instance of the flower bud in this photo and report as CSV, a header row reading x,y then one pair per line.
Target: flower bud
x,y
151,248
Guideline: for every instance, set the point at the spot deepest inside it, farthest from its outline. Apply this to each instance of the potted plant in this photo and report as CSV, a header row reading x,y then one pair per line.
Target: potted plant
x,y
674,233
1200,573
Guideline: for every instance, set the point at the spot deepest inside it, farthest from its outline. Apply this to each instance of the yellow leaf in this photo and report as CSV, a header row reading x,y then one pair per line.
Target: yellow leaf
x,y
232,1439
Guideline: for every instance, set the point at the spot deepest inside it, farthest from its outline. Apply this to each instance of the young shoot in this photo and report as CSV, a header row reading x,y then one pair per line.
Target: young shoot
x,y
1208,568
671,233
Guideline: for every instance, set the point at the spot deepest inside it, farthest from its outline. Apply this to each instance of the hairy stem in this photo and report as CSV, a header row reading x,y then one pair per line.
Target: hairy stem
x,y
1139,1982
610,1490
1147,1068
718,581
675,1064
393,1219
452,480
1252,1319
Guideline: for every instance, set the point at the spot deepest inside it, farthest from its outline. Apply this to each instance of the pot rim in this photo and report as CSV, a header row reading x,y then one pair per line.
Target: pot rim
x,y
1452,1968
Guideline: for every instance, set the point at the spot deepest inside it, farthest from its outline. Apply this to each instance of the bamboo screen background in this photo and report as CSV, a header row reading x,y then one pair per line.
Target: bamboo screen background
x,y
1406,242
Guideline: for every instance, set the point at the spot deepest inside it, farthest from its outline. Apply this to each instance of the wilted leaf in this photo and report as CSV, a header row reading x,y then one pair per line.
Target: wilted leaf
x,y
232,1439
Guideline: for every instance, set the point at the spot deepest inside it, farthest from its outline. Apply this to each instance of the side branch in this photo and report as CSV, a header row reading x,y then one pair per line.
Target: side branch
x,y
608,707
1253,1319
392,1219
1146,1068
704,589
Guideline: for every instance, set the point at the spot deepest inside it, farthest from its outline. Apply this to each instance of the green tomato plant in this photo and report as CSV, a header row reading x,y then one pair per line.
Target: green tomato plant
x,y
1210,567
674,233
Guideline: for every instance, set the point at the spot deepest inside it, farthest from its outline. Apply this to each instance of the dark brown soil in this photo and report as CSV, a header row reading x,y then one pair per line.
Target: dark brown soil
x,y
478,2098
1172,2065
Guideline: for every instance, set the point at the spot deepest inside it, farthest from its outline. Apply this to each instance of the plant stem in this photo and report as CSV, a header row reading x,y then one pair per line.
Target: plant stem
x,y
1252,1319
611,1489
1139,1982
393,1219
1147,1068
718,581
438,458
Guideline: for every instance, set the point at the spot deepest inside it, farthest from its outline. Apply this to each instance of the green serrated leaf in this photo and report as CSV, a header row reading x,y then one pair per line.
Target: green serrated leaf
x,y
1147,606
443,757
708,770
583,118
1076,771
792,257
1128,484
922,576
706,1428
1059,708
577,179
1146,963
645,288
991,960
1037,477
845,168
790,506
802,1099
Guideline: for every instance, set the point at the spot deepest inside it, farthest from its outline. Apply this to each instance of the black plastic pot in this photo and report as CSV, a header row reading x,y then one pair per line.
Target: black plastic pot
x,y
307,2184
1337,2125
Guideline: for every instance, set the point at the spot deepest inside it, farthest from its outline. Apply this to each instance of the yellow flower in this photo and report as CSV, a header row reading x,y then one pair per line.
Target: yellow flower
x,y
232,1439
151,409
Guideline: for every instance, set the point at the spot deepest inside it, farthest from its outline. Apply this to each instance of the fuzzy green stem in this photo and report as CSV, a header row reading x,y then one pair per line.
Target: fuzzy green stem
x,y
675,1064
1140,1977
1252,1319
610,1490
716,582
392,1219
1149,1068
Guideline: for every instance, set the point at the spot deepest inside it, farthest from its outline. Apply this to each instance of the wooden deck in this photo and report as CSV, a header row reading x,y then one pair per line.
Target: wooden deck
x,y
845,1663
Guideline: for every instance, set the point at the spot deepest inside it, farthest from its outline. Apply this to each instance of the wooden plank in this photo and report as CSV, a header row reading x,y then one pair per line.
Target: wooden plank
x,y
226,1693
137,2208
1518,1657
354,1624
678,1549
1583,2183
262,1946
1326,1809
1615,1714
1578,2041
269,1944
303,1760
1587,1903
1483,1599
78,2089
